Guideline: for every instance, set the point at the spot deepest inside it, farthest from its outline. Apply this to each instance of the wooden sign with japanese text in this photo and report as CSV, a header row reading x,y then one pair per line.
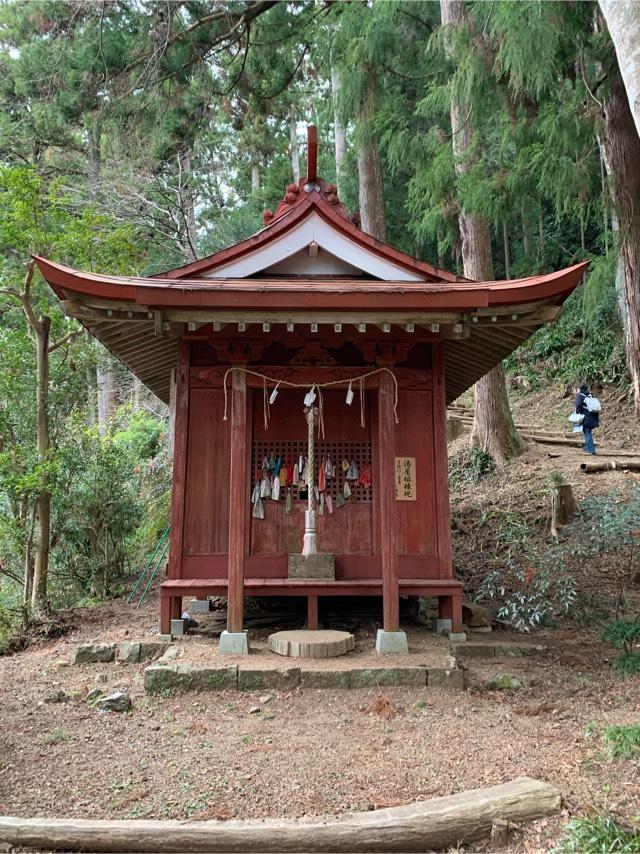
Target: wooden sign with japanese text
x,y
405,478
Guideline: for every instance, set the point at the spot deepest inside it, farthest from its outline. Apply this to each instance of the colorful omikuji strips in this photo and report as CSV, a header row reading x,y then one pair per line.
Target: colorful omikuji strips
x,y
276,478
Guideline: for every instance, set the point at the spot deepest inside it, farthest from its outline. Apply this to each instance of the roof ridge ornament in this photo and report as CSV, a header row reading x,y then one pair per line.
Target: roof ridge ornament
x,y
295,193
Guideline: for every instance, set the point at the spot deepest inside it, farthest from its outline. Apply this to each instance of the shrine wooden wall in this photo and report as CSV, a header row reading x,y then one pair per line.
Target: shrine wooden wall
x,y
350,532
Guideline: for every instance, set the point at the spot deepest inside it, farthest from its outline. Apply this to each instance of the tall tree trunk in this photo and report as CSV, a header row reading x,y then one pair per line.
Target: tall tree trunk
x,y
339,130
371,185
106,390
622,146
41,569
623,22
255,177
92,395
95,156
526,238
507,254
295,148
540,240
187,205
29,566
493,427
138,393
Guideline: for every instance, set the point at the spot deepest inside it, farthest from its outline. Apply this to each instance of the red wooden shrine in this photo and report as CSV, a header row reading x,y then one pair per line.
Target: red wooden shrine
x,y
310,299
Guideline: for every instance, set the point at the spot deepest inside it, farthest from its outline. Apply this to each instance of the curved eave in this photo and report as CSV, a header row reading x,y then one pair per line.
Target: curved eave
x,y
134,329
311,201
337,294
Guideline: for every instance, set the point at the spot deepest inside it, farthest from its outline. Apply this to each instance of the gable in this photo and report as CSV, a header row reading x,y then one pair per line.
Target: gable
x,y
312,261
289,254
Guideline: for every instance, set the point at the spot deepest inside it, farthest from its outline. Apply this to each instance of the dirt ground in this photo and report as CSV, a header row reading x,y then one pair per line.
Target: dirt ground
x,y
307,753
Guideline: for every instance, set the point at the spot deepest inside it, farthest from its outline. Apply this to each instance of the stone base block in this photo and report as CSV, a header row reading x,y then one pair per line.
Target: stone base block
x,y
442,627
325,679
177,628
391,643
314,566
392,677
438,677
161,678
95,653
233,643
285,679
200,606
457,637
128,652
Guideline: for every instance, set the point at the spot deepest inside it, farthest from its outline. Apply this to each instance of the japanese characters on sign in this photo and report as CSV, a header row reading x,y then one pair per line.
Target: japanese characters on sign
x,y
405,478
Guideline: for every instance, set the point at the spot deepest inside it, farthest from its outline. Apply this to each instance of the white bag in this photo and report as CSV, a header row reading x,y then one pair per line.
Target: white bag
x,y
577,429
576,418
592,403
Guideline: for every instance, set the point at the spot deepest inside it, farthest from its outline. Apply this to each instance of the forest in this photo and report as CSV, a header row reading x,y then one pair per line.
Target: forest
x,y
134,137
495,140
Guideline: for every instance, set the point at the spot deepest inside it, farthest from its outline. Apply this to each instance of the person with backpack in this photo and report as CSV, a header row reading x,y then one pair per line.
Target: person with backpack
x,y
589,407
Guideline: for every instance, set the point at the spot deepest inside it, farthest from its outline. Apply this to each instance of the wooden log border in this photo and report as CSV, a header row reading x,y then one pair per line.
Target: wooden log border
x,y
424,826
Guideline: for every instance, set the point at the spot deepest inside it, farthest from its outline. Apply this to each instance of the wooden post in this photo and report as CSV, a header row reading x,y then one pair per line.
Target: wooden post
x,y
387,504
238,501
178,494
443,506
312,613
179,490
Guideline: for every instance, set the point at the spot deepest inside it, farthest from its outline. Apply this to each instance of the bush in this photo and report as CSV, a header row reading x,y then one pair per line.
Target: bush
x,y
470,466
531,598
597,836
623,634
623,741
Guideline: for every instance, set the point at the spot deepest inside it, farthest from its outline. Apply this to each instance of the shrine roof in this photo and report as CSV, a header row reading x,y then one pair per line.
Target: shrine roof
x,y
307,292
311,266
140,320
298,205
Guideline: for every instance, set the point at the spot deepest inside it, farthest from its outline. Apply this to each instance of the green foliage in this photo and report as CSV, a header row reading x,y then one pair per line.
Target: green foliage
x,y
538,586
585,341
628,664
470,466
624,634
600,835
621,633
531,598
623,741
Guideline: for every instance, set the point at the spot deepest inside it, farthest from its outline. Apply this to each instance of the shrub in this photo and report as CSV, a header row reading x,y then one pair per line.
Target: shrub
x,y
598,835
623,634
531,598
623,741
470,466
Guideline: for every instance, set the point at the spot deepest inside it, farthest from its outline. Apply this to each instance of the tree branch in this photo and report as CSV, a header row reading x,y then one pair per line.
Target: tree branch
x,y
66,339
235,20
25,297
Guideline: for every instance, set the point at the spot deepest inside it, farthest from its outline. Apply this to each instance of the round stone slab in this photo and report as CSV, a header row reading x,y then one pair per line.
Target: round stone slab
x,y
310,644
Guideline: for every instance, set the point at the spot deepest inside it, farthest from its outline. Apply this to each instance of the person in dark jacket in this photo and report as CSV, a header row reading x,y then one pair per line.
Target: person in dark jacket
x,y
591,419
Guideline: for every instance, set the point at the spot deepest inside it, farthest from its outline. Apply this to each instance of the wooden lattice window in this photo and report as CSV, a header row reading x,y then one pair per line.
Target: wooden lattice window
x,y
290,451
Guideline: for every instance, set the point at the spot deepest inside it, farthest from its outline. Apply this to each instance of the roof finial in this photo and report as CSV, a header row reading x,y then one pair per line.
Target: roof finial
x,y
312,154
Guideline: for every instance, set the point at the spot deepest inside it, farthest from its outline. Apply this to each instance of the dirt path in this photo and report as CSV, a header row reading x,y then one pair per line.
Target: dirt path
x,y
207,755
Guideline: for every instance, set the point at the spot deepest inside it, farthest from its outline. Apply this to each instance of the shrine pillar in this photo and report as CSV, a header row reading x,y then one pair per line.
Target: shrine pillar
x,y
390,639
234,640
171,606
